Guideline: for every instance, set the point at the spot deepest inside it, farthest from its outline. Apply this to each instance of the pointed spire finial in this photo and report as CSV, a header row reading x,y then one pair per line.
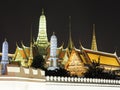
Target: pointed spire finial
x,y
62,44
22,44
70,42
31,49
70,28
42,11
5,40
93,29
94,43
81,46
33,39
115,53
31,34
70,23
17,45
53,33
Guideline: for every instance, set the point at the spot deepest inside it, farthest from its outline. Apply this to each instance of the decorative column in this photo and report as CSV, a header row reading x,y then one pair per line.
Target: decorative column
x,y
4,60
53,53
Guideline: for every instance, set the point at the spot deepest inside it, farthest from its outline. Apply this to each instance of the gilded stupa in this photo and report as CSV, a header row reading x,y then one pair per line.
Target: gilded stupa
x,y
42,39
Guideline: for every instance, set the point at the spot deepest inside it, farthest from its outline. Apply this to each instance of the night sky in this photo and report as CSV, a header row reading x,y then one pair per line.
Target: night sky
x,y
18,16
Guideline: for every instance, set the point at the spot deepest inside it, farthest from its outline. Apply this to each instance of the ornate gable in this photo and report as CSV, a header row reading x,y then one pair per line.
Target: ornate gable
x,y
75,64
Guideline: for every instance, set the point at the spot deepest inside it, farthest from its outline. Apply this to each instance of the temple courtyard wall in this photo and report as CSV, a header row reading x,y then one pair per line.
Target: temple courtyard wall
x,y
21,78
17,83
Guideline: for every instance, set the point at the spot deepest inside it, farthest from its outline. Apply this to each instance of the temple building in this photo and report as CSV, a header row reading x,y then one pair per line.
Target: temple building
x,y
22,55
71,58
25,54
42,39
75,60
109,61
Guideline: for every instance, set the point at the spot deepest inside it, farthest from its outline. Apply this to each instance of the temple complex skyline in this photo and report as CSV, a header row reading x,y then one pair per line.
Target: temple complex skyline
x,y
77,60
17,18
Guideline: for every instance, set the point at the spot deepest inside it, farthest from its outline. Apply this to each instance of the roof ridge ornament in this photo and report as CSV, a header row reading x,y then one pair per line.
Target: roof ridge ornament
x,y
70,42
81,46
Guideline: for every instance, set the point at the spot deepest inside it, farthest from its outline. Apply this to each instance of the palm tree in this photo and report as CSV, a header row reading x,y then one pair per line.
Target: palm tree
x,y
95,71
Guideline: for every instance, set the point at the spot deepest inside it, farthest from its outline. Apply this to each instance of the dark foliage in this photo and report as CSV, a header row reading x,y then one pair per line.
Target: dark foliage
x,y
95,71
38,62
57,72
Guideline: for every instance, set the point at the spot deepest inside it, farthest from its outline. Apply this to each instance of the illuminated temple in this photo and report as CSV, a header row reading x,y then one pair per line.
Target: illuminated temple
x,y
42,39
71,58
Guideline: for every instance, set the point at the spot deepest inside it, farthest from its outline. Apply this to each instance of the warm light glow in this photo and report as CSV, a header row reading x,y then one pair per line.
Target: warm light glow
x,y
108,60
75,64
42,39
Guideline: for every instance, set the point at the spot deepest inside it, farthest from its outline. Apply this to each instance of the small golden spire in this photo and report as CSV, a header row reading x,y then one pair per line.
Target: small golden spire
x,y
70,23
94,43
70,42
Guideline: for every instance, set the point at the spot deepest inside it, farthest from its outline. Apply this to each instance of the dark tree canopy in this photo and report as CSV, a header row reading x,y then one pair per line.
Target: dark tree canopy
x,y
57,72
95,71
38,62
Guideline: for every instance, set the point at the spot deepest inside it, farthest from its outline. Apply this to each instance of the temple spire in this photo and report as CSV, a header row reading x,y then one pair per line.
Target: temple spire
x,y
4,60
31,44
31,50
53,53
94,43
70,42
42,39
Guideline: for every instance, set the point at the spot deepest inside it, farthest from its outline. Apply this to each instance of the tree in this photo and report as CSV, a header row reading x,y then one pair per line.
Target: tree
x,y
57,72
95,71
38,62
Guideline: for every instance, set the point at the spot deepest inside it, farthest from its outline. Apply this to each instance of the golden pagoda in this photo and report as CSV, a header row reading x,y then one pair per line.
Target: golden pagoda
x,y
42,39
